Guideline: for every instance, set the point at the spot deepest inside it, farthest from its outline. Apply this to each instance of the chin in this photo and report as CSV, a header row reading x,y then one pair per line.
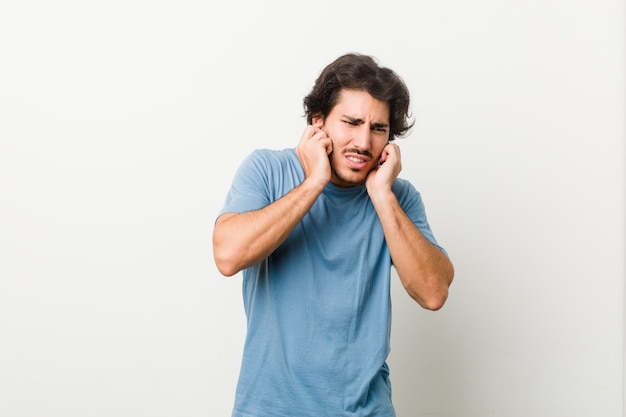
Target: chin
x,y
350,179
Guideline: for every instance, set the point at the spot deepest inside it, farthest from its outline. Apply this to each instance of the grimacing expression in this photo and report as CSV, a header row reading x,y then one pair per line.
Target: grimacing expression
x,y
358,126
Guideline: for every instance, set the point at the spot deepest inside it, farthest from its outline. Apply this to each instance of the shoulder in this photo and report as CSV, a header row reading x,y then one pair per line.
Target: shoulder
x,y
271,157
408,196
281,168
403,188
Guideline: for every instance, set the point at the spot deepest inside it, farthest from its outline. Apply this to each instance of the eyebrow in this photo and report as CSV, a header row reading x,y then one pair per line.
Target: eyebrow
x,y
356,120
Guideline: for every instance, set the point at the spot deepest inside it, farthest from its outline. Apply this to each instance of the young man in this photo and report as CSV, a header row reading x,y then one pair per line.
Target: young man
x,y
316,230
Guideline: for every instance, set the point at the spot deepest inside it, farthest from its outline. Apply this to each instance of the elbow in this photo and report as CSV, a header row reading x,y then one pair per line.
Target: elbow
x,y
430,300
226,265
226,269
435,301
439,294
227,257
226,260
434,296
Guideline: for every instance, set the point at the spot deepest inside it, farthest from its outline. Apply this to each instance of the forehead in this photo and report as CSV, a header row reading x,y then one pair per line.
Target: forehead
x,y
361,104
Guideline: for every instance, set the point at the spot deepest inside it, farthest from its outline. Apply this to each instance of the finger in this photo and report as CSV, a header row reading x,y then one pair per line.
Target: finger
x,y
392,147
308,133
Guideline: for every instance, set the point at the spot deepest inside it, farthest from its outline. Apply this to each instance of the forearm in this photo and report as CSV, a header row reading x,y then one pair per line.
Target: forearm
x,y
242,240
425,271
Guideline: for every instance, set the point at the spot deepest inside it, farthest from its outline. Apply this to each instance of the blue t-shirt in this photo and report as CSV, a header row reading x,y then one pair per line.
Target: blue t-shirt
x,y
318,308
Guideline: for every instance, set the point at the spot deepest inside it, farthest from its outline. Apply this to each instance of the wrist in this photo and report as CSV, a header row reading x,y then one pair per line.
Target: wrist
x,y
381,196
315,184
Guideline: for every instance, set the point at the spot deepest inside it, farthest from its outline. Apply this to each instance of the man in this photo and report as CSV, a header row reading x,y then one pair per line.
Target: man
x,y
316,230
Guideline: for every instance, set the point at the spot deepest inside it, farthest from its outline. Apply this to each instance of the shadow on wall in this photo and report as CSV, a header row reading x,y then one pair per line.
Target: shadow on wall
x,y
426,362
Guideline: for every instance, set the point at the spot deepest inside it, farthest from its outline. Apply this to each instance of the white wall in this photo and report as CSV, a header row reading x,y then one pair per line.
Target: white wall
x,y
121,125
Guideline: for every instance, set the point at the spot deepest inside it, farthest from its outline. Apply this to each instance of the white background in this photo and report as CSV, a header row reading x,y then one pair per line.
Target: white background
x,y
121,126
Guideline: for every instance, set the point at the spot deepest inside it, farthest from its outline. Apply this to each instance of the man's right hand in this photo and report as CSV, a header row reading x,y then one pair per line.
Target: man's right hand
x,y
312,151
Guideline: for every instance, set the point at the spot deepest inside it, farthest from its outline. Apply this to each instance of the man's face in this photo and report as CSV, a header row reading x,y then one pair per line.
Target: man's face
x,y
358,126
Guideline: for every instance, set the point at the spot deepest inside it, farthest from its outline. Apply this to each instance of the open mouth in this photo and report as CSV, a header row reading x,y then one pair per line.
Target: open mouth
x,y
356,161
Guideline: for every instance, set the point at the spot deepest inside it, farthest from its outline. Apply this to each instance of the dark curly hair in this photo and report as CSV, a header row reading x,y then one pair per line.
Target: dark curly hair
x,y
361,72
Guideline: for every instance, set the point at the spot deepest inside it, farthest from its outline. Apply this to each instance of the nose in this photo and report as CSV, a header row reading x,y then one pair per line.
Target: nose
x,y
362,137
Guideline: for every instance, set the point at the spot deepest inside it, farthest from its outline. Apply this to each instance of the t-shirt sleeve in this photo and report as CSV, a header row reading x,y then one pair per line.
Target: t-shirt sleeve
x,y
413,205
249,189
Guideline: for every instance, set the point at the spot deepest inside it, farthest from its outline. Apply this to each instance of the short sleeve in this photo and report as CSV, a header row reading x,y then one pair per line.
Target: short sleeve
x,y
411,202
249,189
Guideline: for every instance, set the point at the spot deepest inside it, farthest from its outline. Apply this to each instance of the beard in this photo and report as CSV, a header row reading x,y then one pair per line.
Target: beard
x,y
348,177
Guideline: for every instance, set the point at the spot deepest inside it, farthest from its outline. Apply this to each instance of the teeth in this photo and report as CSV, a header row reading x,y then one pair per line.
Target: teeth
x,y
353,159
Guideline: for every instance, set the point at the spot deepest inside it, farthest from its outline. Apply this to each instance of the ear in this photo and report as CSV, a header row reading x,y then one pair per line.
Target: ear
x,y
318,122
